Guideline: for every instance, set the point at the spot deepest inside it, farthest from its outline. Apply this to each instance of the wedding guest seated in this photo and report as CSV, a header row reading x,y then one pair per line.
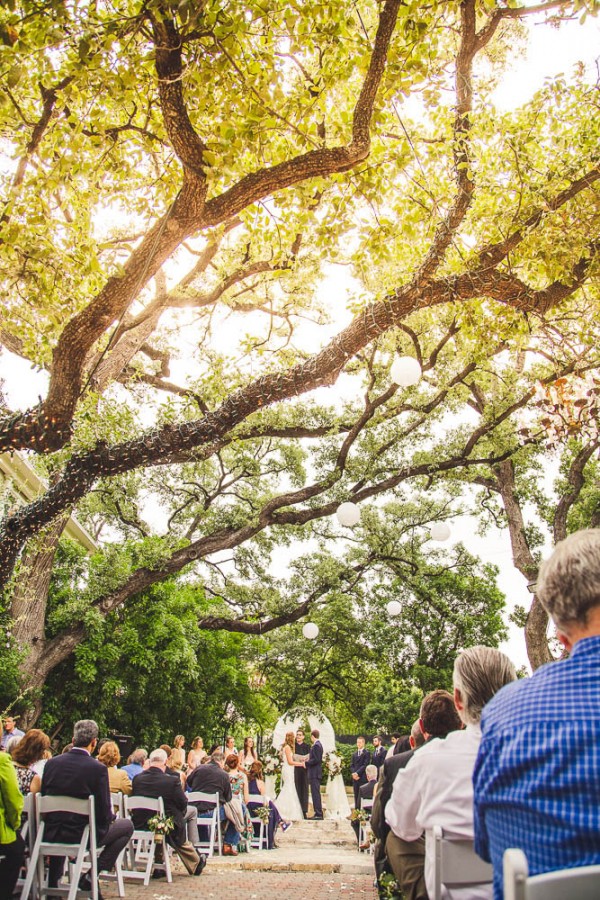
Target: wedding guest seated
x,y
29,751
197,754
211,779
118,779
10,731
156,782
402,744
77,774
436,786
248,755
135,764
12,845
537,776
256,786
171,768
239,792
365,792
438,717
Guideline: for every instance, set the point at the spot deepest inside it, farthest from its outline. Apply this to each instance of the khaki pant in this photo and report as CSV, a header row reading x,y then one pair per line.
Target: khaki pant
x,y
188,856
407,859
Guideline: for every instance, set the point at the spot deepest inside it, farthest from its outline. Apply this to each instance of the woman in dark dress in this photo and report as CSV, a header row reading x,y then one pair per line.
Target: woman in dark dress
x,y
256,785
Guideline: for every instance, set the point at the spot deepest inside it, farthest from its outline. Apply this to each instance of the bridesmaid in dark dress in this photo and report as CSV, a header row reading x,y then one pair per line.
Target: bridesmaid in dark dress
x,y
256,785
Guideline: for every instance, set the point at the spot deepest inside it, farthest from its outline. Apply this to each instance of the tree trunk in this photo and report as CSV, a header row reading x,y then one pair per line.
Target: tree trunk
x,y
538,651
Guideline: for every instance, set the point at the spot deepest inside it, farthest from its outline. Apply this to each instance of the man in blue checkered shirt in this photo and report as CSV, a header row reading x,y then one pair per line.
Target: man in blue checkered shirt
x,y
537,775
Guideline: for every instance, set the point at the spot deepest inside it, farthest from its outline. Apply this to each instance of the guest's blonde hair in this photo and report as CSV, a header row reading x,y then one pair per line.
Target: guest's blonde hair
x,y
290,739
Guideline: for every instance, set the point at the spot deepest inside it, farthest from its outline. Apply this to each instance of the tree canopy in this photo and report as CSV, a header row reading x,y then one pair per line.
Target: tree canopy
x,y
177,177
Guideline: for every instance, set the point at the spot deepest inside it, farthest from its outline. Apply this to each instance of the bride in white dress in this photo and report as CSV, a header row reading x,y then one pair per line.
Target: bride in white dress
x,y
288,802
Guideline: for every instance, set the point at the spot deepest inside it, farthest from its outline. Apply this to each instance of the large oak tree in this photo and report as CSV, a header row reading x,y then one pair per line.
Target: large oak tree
x,y
179,169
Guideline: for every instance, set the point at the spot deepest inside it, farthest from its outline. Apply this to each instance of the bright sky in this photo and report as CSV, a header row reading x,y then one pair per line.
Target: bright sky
x,y
550,52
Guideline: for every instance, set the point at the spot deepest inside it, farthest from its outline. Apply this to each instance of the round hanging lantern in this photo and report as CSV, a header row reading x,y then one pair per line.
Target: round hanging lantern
x,y
405,371
394,608
310,631
440,531
348,514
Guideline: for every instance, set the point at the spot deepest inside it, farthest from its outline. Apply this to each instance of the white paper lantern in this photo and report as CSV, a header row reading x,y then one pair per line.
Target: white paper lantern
x,y
440,531
348,514
394,608
310,631
405,371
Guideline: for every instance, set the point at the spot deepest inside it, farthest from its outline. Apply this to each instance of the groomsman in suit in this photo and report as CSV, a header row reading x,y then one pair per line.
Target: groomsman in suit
x,y
314,764
301,748
360,761
379,754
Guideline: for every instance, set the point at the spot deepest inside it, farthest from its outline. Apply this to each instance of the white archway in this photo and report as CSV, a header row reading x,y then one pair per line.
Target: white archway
x,y
297,718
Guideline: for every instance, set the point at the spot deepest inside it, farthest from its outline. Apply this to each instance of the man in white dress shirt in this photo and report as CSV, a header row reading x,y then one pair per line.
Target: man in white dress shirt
x,y
436,788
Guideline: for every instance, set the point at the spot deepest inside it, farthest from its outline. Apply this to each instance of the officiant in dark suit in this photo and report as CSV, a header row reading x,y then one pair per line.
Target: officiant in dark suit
x,y
360,760
301,748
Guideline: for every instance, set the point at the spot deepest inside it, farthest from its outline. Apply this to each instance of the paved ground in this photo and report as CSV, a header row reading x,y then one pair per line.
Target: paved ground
x,y
251,886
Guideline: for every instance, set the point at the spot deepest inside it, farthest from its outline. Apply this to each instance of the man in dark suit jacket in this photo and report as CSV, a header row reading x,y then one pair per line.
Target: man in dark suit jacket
x,y
379,754
365,792
360,760
314,764
155,782
77,774
211,779
301,748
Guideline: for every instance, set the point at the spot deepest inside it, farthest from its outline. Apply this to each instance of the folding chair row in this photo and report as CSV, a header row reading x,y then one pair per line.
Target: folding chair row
x,y
364,832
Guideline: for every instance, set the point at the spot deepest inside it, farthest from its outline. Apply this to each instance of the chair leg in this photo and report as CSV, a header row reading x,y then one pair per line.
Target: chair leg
x,y
168,864
36,866
150,863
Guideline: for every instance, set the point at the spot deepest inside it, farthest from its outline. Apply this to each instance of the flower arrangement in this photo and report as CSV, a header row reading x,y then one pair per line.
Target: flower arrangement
x,y
359,815
272,762
334,764
161,826
263,812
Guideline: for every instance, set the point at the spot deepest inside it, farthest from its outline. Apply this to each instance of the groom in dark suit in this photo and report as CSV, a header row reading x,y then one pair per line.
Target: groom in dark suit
x,y
314,764
301,748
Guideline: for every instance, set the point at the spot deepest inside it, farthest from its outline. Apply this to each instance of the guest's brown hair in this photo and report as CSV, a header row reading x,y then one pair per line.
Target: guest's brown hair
x,y
109,754
232,761
256,770
316,733
31,747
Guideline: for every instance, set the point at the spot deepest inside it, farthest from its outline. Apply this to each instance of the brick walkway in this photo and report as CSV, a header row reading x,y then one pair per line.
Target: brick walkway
x,y
250,886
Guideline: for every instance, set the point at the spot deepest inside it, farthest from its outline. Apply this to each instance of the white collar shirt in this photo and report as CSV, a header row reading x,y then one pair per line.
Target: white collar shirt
x,y
436,788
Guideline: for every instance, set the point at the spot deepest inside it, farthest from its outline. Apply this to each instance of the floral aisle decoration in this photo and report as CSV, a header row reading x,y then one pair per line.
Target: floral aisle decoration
x,y
263,812
333,764
161,826
272,762
359,815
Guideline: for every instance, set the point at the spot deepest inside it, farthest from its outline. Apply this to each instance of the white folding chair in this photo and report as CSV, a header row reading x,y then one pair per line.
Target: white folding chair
x,y
364,833
456,864
259,841
213,844
28,832
116,801
142,845
581,883
84,852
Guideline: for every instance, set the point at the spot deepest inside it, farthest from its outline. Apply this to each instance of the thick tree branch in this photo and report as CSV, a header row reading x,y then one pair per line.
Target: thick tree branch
x,y
47,426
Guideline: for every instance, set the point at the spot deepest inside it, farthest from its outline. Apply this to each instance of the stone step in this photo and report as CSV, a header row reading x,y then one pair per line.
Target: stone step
x,y
296,859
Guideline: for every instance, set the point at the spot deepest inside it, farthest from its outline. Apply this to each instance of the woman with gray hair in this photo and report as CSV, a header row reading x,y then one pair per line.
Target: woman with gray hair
x,y
436,786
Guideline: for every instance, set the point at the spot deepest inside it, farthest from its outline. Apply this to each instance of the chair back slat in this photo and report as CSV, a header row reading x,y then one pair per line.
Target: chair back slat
x,y
257,798
456,864
202,797
581,883
52,804
153,804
